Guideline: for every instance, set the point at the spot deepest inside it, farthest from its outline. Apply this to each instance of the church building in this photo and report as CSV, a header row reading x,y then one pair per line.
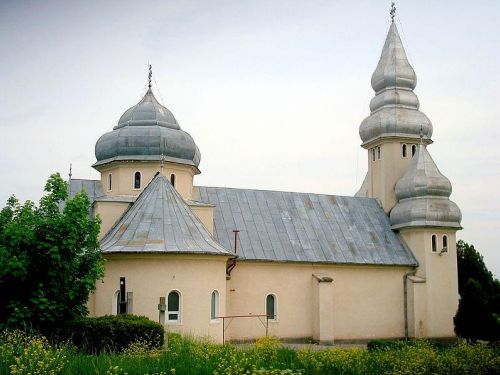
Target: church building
x,y
236,264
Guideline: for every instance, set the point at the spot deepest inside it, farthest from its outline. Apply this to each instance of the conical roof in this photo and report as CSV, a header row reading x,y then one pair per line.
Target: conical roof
x,y
423,196
160,222
148,131
395,107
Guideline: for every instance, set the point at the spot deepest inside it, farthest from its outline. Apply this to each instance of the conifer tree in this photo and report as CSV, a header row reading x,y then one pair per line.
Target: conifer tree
x,y
478,310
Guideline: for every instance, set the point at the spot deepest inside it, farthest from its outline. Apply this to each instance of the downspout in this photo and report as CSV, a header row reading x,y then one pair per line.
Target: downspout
x,y
233,263
405,288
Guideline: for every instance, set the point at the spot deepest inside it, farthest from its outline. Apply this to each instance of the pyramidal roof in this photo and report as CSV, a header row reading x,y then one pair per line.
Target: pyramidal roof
x,y
395,107
160,222
423,196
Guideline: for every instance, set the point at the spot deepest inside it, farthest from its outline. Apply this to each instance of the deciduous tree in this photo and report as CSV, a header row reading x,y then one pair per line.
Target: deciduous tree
x,y
49,258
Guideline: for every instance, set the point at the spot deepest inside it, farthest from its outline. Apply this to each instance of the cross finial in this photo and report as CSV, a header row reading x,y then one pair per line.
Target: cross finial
x,y
150,75
393,11
162,162
70,170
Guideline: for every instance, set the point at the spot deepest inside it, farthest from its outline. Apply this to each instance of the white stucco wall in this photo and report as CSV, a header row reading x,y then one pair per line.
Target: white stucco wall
x,y
366,301
151,276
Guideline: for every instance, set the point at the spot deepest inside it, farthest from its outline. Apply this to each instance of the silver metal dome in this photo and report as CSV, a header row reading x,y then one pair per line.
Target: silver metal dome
x,y
395,107
148,112
423,196
146,132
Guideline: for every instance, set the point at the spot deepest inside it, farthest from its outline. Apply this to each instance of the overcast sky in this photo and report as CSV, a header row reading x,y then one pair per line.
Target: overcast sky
x,y
273,92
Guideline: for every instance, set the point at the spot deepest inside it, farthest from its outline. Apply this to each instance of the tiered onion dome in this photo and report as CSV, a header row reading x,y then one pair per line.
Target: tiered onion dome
x,y
394,109
423,196
147,132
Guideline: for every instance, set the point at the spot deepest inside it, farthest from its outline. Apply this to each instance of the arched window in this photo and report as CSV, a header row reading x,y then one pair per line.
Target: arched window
x,y
115,307
404,151
214,305
413,150
174,307
445,243
378,152
172,179
271,307
373,154
137,180
434,243
110,182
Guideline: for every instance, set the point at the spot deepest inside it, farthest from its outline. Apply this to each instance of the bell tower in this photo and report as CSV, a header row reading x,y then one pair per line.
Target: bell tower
x,y
391,133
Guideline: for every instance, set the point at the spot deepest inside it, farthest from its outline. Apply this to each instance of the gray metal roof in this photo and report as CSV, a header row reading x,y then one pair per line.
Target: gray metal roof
x,y
160,222
148,112
395,107
93,189
303,227
147,131
423,196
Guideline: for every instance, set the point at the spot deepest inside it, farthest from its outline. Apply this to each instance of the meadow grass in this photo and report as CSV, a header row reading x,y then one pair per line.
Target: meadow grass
x,y
186,355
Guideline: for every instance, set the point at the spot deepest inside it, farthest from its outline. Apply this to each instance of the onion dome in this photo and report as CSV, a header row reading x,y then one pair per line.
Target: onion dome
x,y
147,132
423,196
394,109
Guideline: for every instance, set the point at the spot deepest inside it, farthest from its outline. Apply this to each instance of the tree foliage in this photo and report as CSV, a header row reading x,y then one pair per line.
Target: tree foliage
x,y
49,258
479,309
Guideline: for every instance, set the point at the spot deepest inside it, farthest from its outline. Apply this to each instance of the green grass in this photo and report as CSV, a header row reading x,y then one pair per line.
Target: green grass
x,y
188,356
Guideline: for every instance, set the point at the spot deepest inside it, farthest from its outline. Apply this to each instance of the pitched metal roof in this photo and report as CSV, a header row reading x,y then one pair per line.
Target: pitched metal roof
x,y
303,227
160,221
93,189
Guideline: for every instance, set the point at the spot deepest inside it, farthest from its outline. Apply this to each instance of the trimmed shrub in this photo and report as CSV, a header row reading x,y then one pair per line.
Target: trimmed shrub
x,y
112,333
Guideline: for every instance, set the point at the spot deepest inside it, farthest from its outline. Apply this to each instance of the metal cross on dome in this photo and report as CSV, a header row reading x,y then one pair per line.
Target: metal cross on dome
x,y
150,75
393,11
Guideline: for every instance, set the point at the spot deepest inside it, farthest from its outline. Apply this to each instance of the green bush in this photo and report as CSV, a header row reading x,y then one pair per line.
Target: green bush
x,y
114,333
388,344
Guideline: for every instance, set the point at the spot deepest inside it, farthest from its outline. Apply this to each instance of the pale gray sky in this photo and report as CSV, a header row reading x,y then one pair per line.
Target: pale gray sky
x,y
273,92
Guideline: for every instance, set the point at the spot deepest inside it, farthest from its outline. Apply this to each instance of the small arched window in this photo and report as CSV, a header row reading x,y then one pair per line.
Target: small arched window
x,y
214,305
378,152
271,307
174,307
404,151
445,243
172,179
434,243
137,180
413,150
373,154
110,182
